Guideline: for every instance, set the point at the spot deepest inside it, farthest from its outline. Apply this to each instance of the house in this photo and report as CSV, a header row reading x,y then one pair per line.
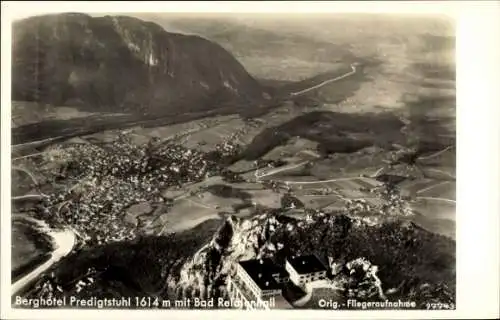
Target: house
x,y
261,280
304,269
258,280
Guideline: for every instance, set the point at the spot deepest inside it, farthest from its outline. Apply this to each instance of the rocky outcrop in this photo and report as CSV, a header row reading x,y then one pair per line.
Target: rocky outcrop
x,y
353,250
391,260
262,236
363,280
121,63
238,239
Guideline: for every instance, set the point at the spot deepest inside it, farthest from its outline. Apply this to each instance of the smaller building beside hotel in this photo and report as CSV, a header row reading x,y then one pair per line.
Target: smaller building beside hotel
x,y
305,269
258,282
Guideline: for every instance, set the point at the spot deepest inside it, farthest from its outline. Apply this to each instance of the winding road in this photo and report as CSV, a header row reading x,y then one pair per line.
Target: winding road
x,y
259,175
321,181
438,199
432,187
63,242
350,73
435,154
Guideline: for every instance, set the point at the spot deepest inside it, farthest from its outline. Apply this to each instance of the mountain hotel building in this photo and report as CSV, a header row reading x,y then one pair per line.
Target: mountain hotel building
x,y
261,280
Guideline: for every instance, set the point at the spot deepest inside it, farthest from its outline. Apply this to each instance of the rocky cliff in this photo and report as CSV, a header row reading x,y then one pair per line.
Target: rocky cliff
x,y
120,63
365,261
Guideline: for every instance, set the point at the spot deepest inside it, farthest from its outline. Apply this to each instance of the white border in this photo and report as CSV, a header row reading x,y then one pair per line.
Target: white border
x,y
478,80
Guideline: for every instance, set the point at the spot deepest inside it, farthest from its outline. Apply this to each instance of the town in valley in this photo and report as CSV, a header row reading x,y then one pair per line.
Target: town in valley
x,y
233,161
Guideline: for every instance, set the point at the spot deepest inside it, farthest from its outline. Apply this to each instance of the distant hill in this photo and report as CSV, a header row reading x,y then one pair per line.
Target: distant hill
x,y
119,63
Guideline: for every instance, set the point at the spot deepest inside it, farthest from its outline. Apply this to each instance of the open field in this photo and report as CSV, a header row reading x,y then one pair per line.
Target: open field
x,y
436,216
436,208
29,248
24,248
186,214
307,169
24,112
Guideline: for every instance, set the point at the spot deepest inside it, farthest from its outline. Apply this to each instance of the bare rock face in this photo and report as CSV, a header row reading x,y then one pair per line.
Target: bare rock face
x,y
238,239
390,261
363,281
262,236
364,261
120,63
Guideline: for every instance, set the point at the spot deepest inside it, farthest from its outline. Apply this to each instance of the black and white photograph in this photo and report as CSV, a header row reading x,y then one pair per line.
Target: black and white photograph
x,y
233,161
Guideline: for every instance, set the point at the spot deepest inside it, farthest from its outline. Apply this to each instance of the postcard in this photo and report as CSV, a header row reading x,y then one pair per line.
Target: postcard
x,y
194,160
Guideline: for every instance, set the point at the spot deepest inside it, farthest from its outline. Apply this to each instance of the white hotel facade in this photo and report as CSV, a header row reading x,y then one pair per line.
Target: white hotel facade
x,y
261,281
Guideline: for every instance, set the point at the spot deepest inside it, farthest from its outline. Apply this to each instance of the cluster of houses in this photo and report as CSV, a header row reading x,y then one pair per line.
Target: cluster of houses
x,y
261,280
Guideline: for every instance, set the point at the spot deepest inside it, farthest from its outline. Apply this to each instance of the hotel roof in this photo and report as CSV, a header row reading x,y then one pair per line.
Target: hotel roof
x,y
306,264
261,271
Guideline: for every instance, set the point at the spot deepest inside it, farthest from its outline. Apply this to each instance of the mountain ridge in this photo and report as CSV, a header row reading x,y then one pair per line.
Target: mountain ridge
x,y
122,63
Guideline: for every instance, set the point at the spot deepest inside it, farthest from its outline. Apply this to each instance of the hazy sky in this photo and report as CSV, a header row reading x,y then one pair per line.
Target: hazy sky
x,y
304,23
